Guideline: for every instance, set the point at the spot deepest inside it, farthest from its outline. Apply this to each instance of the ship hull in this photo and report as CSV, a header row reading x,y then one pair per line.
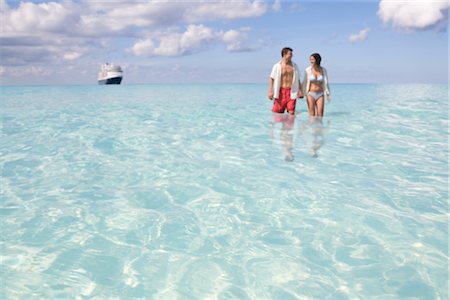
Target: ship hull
x,y
113,80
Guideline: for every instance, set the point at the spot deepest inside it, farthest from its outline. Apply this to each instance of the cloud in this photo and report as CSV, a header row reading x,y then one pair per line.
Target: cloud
x,y
25,50
70,28
18,56
207,10
157,13
294,6
30,18
170,43
414,14
138,14
236,40
360,36
39,71
72,55
276,6
195,39
95,18
41,33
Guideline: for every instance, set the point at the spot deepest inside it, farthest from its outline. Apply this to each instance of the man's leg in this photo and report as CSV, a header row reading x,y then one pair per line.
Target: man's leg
x,y
291,106
277,106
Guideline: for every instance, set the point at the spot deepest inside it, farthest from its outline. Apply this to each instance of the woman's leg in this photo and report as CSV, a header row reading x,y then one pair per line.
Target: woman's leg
x,y
320,106
311,105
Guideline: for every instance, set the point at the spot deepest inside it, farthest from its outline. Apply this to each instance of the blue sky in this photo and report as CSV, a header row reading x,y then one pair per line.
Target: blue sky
x,y
64,42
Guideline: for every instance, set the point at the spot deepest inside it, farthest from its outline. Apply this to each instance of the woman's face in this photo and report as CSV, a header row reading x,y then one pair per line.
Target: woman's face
x,y
312,60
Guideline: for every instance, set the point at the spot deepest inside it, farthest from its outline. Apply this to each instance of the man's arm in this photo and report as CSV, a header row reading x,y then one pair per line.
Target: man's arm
x,y
305,83
300,93
270,89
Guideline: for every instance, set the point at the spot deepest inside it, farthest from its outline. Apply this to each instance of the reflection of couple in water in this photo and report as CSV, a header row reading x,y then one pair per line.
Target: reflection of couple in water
x,y
287,136
317,130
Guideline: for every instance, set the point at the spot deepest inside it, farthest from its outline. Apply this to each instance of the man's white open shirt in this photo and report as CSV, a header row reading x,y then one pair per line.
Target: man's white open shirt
x,y
276,76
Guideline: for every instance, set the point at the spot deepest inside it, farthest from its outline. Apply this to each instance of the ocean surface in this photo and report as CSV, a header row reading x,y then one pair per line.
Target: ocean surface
x,y
200,192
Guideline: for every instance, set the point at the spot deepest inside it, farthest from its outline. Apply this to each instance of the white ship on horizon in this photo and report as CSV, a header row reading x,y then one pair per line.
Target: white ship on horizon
x,y
110,74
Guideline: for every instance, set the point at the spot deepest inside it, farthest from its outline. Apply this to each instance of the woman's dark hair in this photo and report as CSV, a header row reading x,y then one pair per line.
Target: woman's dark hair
x,y
317,57
285,50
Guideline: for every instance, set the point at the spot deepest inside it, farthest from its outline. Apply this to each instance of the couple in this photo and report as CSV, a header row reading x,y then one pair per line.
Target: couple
x,y
285,84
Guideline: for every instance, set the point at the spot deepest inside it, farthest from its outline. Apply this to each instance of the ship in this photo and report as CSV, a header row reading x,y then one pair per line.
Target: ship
x,y
110,74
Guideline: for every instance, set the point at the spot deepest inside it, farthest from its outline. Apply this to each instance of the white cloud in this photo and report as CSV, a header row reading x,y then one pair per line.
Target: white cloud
x,y
143,48
73,55
57,30
206,10
195,39
31,18
196,36
26,50
413,14
165,13
99,18
360,36
141,14
177,68
41,33
235,40
276,6
296,7
30,71
172,43
3,7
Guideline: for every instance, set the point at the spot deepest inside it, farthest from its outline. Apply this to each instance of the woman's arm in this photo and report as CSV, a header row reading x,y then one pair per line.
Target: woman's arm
x,y
326,86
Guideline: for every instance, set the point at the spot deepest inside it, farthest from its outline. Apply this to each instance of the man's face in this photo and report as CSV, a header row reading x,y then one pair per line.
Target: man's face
x,y
288,55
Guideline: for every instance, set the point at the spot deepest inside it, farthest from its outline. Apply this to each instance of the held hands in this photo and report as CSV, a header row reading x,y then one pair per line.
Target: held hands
x,y
328,98
299,95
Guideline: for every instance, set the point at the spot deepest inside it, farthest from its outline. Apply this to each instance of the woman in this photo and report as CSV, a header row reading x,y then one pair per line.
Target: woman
x,y
315,85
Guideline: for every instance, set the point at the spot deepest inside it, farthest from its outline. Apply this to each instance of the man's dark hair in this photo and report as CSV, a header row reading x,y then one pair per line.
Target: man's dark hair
x,y
285,50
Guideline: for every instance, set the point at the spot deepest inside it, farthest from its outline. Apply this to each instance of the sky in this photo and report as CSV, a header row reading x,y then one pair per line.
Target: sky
x,y
222,41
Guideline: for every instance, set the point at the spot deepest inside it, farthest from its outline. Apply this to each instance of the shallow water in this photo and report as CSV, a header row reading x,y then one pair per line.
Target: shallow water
x,y
199,192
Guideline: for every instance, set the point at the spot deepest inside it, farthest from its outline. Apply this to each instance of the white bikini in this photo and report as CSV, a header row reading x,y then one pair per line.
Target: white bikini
x,y
312,78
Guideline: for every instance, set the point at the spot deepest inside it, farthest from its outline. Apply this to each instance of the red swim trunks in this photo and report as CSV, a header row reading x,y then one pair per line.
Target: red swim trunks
x,y
284,102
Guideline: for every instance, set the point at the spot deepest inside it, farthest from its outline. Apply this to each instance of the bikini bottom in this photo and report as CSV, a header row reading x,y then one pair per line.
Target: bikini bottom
x,y
316,95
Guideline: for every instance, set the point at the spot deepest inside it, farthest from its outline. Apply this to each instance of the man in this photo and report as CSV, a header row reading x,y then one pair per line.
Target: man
x,y
284,84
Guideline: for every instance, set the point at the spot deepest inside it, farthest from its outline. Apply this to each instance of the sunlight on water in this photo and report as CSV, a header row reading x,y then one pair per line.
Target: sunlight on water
x,y
200,192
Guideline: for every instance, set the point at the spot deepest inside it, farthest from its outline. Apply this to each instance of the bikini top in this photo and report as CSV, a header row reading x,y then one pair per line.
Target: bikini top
x,y
318,79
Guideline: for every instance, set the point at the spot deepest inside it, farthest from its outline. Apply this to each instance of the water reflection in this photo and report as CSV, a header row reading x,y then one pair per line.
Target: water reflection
x,y
310,134
317,129
286,133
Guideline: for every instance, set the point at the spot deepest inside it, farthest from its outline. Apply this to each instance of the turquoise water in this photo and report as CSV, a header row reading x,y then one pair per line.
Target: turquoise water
x,y
199,192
